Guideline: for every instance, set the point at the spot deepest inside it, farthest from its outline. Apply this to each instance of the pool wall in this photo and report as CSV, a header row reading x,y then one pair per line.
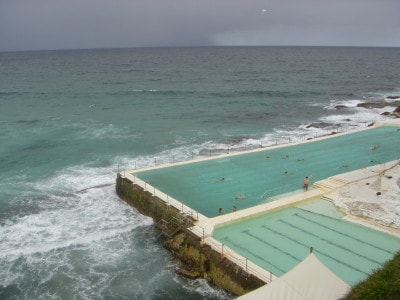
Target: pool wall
x,y
190,233
199,257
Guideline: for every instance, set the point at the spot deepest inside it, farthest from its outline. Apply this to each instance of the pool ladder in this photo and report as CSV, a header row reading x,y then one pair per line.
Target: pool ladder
x,y
172,226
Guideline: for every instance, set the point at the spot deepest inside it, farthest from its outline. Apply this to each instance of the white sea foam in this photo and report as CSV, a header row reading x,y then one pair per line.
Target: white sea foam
x,y
360,118
202,287
392,100
178,154
93,131
76,178
333,104
69,218
143,91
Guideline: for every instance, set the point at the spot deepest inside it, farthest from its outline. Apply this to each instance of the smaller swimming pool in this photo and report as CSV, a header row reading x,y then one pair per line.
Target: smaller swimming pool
x,y
277,241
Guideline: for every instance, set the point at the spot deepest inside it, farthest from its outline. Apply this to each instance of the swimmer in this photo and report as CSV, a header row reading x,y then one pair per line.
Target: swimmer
x,y
221,211
220,180
234,208
238,196
374,147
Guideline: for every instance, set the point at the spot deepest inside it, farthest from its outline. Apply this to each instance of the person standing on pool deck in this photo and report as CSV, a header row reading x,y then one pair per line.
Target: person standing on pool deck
x,y
306,181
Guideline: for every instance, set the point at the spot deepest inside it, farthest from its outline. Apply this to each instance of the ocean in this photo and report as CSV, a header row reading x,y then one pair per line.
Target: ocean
x,y
70,120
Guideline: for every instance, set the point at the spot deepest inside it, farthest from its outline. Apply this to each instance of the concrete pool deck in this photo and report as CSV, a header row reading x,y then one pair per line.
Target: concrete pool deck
x,y
368,196
330,189
335,188
264,174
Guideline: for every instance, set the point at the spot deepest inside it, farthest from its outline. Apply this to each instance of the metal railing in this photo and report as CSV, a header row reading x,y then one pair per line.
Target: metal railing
x,y
224,250
241,261
170,201
277,141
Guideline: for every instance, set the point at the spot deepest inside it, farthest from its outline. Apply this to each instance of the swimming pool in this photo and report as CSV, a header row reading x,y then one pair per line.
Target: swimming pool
x,y
259,176
277,241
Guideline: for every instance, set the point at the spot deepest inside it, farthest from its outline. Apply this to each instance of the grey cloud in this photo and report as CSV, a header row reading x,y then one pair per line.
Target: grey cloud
x,y
61,24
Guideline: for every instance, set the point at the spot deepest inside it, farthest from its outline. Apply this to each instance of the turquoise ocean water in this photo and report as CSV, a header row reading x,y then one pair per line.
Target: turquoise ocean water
x,y
69,120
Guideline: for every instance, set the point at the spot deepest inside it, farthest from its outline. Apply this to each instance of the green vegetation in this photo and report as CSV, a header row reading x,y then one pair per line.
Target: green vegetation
x,y
383,283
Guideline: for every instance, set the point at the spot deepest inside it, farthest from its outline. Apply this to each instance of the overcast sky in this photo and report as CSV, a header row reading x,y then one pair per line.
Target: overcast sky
x,y
72,24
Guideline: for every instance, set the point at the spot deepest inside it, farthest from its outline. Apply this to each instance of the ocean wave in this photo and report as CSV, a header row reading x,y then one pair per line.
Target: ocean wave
x,y
76,206
145,91
114,267
203,288
99,131
229,93
340,104
10,93
263,93
93,216
354,101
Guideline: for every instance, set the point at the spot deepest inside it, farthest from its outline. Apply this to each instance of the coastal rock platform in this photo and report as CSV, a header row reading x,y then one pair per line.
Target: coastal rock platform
x,y
371,196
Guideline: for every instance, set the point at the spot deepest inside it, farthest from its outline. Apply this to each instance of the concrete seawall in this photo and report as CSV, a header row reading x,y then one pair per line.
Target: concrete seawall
x,y
189,234
198,259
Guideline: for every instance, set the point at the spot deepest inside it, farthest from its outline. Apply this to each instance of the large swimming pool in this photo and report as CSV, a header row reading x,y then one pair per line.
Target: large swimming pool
x,y
279,240
257,176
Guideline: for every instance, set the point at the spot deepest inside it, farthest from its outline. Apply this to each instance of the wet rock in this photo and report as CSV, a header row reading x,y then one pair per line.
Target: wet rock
x,y
191,274
380,104
319,125
340,106
373,104
395,113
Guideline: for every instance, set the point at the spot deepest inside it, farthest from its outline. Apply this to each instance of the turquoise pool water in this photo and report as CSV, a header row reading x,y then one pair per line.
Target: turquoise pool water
x,y
261,175
279,240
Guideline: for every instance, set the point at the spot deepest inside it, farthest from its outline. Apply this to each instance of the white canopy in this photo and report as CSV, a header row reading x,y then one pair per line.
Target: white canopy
x,y
309,280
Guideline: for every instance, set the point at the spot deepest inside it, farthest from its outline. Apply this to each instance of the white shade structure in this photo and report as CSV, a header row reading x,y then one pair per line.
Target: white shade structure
x,y
309,280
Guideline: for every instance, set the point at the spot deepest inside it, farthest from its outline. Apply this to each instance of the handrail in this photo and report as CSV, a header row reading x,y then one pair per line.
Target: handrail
x,y
198,231
184,209
277,141
241,261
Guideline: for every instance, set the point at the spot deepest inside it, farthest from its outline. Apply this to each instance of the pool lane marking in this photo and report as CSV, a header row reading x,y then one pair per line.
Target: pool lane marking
x,y
339,232
270,245
246,250
328,241
315,250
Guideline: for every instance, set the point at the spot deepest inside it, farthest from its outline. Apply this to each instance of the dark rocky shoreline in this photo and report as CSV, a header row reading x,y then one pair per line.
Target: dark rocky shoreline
x,y
389,102
394,102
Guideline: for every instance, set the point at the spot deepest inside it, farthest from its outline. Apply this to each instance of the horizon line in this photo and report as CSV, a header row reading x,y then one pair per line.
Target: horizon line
x,y
194,46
